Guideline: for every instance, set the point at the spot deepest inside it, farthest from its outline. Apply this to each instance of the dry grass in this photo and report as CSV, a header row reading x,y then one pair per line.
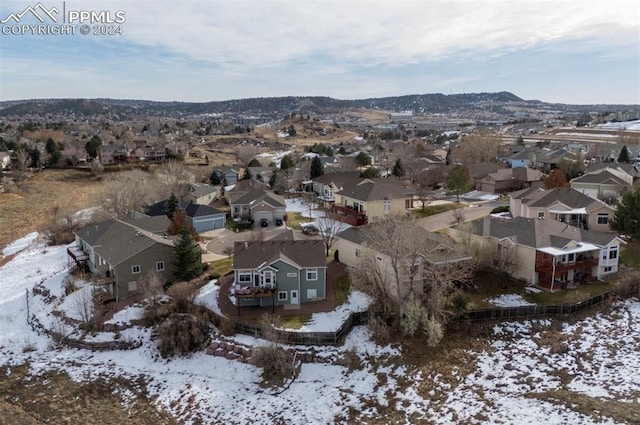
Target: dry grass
x,y
599,408
32,209
54,398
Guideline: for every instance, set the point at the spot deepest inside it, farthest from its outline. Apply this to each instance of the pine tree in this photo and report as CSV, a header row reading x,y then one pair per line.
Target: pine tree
x,y
286,162
627,217
172,205
317,168
398,168
187,257
624,156
458,181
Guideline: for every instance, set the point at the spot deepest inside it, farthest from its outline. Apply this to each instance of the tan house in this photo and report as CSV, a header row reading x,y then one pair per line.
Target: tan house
x,y
370,200
550,254
563,204
605,183
507,180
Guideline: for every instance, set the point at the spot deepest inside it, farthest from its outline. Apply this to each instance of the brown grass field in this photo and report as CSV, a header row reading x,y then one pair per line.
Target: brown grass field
x,y
32,208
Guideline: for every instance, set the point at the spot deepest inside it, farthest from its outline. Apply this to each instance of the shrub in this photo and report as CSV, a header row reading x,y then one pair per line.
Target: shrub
x,y
434,332
411,313
181,334
459,303
276,363
501,209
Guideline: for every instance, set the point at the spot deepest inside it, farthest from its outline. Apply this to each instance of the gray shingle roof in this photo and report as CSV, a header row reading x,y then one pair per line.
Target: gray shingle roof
x,y
260,195
374,189
307,253
566,195
116,241
538,233
603,177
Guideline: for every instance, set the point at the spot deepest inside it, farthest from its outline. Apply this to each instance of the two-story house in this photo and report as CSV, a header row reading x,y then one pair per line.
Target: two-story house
x,y
551,254
119,253
257,205
369,200
604,183
279,272
563,204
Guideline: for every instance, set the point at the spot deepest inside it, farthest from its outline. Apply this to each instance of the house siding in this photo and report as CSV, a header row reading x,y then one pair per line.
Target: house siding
x,y
318,285
147,261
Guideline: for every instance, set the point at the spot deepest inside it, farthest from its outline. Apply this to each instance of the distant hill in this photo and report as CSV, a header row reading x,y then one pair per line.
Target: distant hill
x,y
267,106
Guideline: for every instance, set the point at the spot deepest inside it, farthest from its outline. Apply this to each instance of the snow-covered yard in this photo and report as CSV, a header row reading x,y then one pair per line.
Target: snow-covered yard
x,y
521,372
509,300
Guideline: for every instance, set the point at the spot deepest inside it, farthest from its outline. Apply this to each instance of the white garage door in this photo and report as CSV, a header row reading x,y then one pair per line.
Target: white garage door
x,y
259,215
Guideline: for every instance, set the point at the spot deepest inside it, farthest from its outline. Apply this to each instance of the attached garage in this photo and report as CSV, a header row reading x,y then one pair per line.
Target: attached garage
x,y
259,215
205,218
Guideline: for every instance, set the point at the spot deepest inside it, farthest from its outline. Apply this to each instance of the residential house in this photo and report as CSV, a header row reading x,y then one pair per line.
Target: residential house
x,y
548,160
353,244
119,253
563,204
369,200
327,184
229,174
203,217
279,272
547,253
257,205
262,174
243,187
605,183
112,154
524,158
201,193
508,179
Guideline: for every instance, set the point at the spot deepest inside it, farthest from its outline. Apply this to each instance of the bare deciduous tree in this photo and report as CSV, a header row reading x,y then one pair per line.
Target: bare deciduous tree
x,y
458,215
151,287
228,251
173,176
478,149
504,258
83,305
124,193
329,227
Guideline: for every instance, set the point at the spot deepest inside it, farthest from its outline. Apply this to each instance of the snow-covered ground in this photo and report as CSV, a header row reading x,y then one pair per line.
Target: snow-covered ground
x,y
509,300
516,375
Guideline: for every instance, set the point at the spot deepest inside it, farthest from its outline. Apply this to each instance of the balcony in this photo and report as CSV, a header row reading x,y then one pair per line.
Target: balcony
x,y
350,216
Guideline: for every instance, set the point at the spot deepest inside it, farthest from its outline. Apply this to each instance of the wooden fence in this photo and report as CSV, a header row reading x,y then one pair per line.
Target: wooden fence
x,y
529,311
300,338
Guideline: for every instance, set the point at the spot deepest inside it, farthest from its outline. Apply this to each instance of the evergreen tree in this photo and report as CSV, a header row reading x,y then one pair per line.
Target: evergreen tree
x,y
92,147
317,168
173,203
398,168
362,159
255,162
187,257
215,178
286,162
291,131
624,156
370,173
627,217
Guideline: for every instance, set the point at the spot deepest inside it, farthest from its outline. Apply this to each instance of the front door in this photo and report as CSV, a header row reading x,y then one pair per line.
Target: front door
x,y
294,297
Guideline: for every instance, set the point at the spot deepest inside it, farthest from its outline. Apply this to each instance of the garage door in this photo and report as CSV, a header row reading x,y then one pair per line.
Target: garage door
x,y
204,224
259,215
218,223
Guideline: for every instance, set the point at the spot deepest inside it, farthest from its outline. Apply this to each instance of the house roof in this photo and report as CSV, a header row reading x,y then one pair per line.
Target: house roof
x,y
116,241
338,178
538,233
374,189
479,170
191,209
155,224
304,253
199,190
604,176
526,174
525,194
439,247
552,157
568,196
260,195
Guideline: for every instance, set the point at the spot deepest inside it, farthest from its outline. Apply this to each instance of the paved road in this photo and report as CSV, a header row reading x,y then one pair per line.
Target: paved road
x,y
446,219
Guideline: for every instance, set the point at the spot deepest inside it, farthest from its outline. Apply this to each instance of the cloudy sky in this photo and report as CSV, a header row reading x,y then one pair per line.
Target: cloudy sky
x,y
557,51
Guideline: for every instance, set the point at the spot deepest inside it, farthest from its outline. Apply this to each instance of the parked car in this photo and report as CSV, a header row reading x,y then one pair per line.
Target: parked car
x,y
264,222
310,230
278,222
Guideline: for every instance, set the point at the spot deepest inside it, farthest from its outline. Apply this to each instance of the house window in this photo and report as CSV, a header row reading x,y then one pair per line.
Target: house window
x,y
312,274
135,269
608,269
132,286
613,253
159,266
282,296
541,214
267,278
572,258
387,205
244,277
358,252
603,218
312,294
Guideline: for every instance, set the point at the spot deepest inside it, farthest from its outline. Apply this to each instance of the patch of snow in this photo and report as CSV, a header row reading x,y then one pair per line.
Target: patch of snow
x,y
208,296
331,321
134,312
20,244
509,300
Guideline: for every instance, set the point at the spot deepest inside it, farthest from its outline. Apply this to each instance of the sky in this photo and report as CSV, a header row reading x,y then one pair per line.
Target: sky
x,y
579,52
